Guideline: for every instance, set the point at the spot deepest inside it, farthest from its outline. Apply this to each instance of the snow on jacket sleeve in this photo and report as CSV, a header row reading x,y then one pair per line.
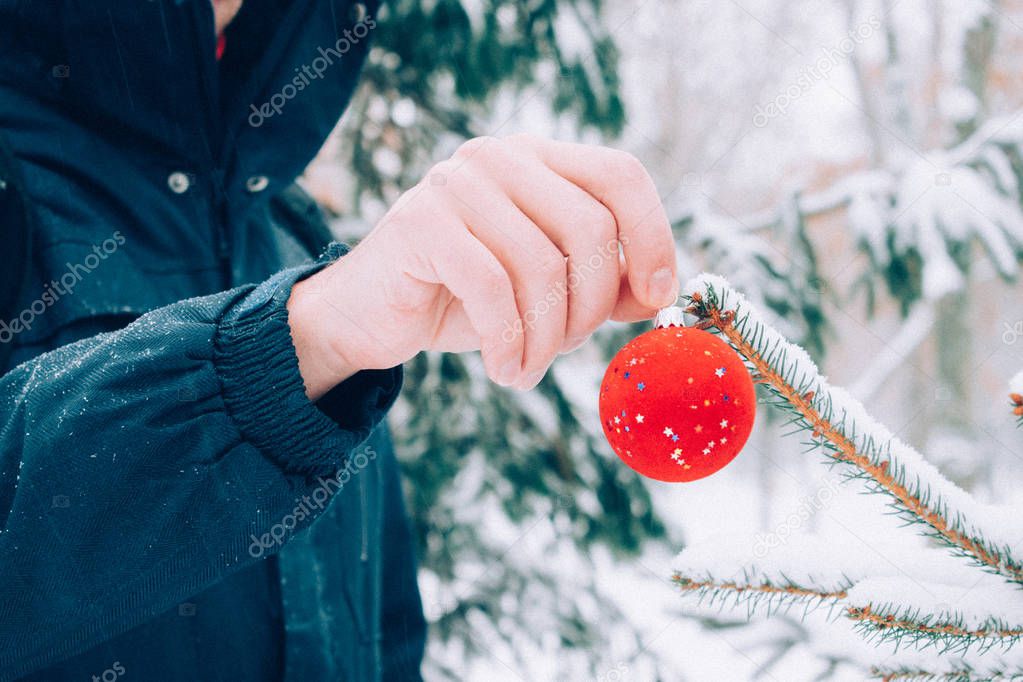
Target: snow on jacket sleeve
x,y
136,466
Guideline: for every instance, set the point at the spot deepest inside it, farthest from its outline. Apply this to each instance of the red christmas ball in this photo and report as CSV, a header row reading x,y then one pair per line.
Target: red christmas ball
x,y
677,404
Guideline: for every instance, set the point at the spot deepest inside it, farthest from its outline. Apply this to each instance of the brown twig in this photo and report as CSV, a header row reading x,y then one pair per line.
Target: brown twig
x,y
792,590
866,614
957,676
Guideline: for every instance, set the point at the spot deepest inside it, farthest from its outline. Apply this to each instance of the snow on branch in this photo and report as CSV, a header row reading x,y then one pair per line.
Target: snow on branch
x,y
721,573
831,199
899,609
810,565
888,589
919,663
961,675
760,597
925,210
1005,131
891,623
841,427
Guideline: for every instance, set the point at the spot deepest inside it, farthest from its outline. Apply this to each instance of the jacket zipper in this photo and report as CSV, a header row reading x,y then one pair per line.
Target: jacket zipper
x,y
210,92
364,505
220,220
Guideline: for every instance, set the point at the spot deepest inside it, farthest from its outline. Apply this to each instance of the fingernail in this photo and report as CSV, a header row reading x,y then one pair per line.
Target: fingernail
x,y
508,373
662,289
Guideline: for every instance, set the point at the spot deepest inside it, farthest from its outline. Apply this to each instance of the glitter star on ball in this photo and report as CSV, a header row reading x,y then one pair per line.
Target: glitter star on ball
x,y
668,432
719,372
641,385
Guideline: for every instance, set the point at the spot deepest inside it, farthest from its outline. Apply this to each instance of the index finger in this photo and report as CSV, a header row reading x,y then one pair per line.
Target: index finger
x,y
620,182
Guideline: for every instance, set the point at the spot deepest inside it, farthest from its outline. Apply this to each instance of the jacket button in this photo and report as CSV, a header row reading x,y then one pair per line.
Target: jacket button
x,y
178,182
357,12
257,183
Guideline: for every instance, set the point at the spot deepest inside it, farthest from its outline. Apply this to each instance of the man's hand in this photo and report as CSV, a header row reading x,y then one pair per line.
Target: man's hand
x,y
510,247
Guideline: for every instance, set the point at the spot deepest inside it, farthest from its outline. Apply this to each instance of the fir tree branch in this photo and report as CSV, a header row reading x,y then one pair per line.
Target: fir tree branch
x,y
882,183
918,675
777,365
791,589
758,597
891,623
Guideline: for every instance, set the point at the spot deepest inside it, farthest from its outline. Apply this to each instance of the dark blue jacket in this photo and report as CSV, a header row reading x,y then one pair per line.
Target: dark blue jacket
x,y
172,507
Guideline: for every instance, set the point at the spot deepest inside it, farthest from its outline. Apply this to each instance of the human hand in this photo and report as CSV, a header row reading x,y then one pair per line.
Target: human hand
x,y
510,247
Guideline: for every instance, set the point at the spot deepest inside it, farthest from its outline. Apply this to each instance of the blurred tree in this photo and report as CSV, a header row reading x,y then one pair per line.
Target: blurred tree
x,y
437,68
516,496
501,482
935,214
886,606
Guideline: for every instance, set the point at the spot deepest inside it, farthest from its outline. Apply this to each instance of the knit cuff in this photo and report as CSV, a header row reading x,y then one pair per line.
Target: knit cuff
x,y
264,393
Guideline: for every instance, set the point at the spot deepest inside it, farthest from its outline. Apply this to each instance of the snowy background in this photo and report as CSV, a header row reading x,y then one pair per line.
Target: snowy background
x,y
854,168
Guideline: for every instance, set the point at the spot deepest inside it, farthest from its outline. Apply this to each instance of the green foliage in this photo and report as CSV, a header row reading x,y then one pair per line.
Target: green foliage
x,y
845,434
472,450
869,440
531,469
902,274
949,635
904,674
449,64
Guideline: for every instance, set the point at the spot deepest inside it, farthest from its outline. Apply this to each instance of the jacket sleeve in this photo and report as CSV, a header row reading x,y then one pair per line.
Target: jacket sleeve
x,y
138,467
